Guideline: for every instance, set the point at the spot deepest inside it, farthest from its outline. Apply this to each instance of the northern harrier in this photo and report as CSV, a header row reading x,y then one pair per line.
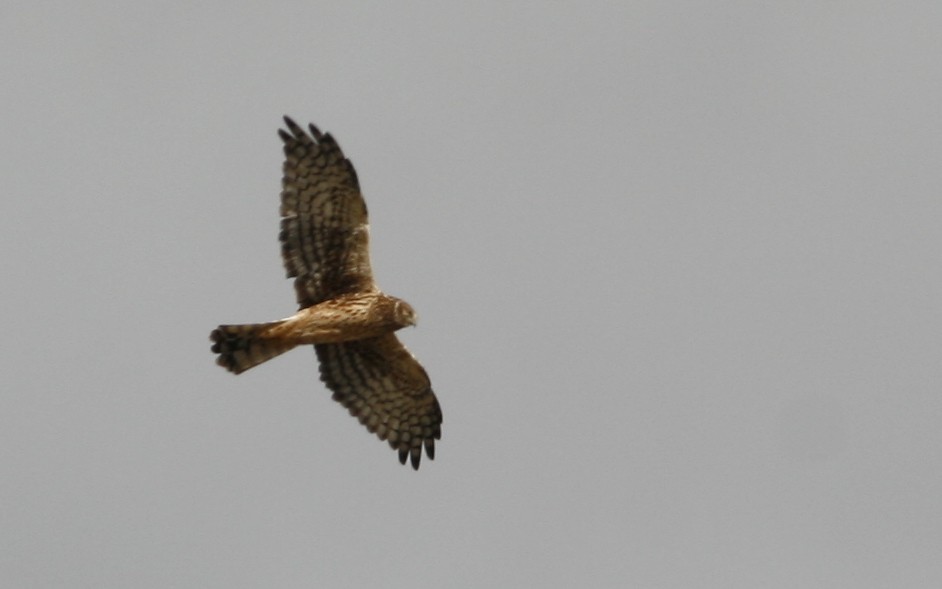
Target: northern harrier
x,y
351,323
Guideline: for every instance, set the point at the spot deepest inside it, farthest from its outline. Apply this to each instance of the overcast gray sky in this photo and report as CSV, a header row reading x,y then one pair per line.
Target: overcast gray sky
x,y
677,266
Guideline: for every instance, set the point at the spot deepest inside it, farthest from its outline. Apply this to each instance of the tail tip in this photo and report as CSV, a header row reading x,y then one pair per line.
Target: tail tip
x,y
228,346
241,347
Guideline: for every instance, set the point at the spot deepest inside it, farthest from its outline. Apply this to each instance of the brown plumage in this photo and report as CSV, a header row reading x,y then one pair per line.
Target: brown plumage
x,y
351,323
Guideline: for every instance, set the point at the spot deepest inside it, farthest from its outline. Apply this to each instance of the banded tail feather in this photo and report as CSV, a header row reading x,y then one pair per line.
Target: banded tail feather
x,y
241,347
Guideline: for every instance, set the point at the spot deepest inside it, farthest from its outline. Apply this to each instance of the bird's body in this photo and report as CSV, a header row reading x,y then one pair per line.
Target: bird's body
x,y
347,318
350,322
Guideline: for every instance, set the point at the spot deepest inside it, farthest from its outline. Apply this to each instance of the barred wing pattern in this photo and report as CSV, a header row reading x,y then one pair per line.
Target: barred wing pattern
x,y
324,228
383,386
325,246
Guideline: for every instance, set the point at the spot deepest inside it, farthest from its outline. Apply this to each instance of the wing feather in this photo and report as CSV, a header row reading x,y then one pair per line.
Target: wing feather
x,y
386,388
324,226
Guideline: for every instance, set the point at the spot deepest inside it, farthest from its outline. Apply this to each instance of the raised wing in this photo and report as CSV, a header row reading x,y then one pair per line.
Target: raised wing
x,y
385,387
324,228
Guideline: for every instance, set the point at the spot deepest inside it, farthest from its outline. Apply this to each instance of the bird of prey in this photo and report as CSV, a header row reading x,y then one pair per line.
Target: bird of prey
x,y
350,322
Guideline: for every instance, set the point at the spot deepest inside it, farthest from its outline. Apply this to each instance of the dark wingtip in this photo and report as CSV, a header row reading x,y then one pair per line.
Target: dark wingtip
x,y
299,133
414,455
293,127
430,448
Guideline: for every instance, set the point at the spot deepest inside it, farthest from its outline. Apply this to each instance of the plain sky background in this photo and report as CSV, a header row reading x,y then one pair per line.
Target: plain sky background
x,y
677,266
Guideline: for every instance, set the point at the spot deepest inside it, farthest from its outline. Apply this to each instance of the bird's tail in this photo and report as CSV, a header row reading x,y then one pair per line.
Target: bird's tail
x,y
241,347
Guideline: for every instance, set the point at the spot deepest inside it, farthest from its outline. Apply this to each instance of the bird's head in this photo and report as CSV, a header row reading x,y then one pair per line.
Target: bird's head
x,y
404,315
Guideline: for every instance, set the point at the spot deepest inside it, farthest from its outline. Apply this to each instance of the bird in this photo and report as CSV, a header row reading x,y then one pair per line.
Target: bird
x,y
342,312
